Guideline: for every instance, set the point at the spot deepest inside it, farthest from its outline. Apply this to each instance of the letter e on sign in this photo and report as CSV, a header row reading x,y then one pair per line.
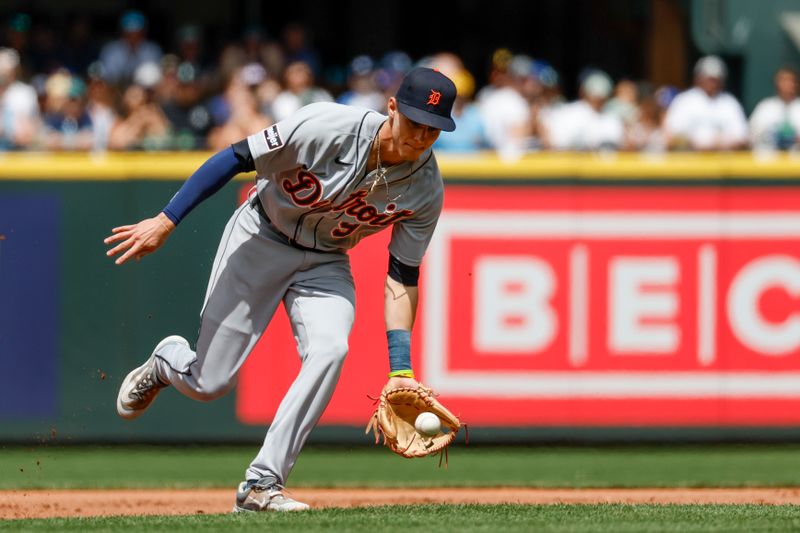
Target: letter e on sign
x,y
513,311
634,305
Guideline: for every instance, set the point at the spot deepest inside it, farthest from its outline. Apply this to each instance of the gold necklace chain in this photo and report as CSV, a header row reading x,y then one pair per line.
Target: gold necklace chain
x,y
380,174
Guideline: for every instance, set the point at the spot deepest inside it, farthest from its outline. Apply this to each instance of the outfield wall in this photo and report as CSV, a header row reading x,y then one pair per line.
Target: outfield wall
x,y
564,296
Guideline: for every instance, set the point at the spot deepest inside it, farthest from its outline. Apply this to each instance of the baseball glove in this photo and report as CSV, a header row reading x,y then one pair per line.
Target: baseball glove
x,y
395,417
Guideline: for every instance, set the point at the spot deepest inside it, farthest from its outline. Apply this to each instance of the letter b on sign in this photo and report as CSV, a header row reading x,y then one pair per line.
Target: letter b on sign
x,y
513,312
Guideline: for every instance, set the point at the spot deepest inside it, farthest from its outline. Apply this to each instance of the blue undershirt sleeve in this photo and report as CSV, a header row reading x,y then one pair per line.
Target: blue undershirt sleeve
x,y
206,180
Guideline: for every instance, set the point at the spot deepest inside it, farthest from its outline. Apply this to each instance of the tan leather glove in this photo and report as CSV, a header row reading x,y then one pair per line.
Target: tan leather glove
x,y
396,415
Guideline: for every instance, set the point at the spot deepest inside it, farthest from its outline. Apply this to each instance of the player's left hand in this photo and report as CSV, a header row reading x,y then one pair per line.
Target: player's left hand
x,y
395,418
400,382
139,239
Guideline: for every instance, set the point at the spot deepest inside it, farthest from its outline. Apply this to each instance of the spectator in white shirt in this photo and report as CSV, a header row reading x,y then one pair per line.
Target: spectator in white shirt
x,y
775,122
506,113
19,105
705,117
582,125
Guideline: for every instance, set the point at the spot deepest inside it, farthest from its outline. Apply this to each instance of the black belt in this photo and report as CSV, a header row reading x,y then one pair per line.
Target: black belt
x,y
255,203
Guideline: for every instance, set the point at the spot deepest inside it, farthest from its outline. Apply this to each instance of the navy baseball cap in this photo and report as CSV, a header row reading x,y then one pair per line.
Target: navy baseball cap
x,y
426,96
132,20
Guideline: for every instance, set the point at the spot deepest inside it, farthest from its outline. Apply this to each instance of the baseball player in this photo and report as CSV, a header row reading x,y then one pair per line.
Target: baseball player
x,y
327,176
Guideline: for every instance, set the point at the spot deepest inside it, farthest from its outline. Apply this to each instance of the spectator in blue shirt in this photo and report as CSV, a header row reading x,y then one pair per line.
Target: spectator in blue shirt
x,y
67,125
121,57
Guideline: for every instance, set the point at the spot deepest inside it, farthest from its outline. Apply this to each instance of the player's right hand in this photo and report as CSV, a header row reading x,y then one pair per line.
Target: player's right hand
x,y
139,239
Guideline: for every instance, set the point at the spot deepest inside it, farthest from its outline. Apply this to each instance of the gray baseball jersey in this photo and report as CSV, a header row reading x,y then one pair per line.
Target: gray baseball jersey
x,y
313,184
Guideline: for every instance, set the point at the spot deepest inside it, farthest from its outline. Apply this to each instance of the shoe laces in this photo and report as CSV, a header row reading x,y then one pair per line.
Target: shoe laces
x,y
146,387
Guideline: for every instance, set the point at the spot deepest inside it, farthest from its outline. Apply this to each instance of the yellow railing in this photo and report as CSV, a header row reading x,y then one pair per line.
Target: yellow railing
x,y
483,166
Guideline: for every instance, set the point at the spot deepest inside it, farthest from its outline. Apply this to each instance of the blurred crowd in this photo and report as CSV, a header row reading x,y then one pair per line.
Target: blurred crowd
x,y
132,93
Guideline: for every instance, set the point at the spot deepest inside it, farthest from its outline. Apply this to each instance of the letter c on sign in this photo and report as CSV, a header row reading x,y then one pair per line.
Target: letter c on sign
x,y
747,324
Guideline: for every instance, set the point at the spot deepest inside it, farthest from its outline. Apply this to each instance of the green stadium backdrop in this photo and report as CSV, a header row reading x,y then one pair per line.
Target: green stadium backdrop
x,y
563,295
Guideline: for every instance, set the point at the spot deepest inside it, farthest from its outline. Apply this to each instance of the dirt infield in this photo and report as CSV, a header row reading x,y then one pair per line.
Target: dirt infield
x,y
73,503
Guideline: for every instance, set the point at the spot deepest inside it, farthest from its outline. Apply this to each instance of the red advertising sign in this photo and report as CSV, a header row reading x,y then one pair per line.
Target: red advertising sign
x,y
583,306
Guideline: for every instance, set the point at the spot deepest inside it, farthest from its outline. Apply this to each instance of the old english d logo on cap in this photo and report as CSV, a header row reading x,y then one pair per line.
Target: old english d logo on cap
x,y
426,96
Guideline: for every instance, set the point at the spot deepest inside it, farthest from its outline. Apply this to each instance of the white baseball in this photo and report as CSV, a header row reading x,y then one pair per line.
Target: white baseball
x,y
428,424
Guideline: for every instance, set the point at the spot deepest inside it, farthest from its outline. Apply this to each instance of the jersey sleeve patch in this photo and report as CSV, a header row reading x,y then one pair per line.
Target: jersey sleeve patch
x,y
273,137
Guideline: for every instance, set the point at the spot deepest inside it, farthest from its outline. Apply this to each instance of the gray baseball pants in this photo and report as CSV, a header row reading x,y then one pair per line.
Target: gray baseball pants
x,y
254,270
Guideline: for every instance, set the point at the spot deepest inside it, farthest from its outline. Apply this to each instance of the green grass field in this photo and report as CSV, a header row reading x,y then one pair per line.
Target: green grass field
x,y
195,467
449,518
630,466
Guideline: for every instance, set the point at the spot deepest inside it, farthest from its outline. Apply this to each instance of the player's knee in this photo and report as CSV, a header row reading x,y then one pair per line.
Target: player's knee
x,y
333,350
339,350
211,390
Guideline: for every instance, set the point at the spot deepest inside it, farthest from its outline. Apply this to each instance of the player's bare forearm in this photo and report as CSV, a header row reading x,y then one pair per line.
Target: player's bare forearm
x,y
400,309
400,304
140,239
